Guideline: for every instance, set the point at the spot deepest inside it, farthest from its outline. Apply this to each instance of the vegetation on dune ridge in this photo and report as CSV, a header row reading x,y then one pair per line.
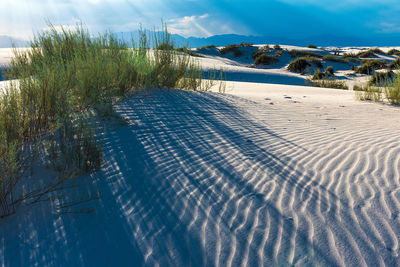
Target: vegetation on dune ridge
x,y
369,66
63,84
302,63
302,53
234,48
333,58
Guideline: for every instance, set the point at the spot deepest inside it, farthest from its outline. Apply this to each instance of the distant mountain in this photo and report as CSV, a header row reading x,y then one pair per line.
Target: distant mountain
x,y
8,41
319,40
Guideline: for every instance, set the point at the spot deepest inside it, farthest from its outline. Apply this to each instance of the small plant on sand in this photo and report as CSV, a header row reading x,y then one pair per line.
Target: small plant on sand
x,y
330,83
381,78
312,46
206,47
370,53
303,53
234,48
392,91
333,58
302,63
393,51
277,47
394,65
370,93
266,59
369,66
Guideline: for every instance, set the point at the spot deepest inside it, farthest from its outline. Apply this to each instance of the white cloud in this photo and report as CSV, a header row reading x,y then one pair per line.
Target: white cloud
x,y
190,26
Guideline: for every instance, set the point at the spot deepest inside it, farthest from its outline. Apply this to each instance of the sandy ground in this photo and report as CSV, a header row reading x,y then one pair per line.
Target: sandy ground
x,y
264,175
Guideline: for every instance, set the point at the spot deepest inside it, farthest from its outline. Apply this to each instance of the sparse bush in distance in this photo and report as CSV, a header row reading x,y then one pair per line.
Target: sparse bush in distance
x,y
334,59
370,53
369,66
277,47
186,50
234,48
260,51
303,53
393,51
394,65
266,59
206,47
300,64
312,46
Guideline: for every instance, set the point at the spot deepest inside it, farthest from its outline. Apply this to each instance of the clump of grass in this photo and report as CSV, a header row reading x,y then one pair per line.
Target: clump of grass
x,y
370,53
381,78
266,59
277,47
393,51
392,92
234,48
302,63
186,50
395,64
67,80
262,50
369,66
206,47
312,46
330,83
335,59
368,92
328,73
303,53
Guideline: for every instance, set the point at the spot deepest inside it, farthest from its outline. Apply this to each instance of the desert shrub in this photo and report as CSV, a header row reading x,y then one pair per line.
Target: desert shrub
x,y
277,47
312,46
334,59
234,48
357,87
381,78
369,66
318,75
260,51
371,93
265,59
206,47
316,61
186,50
329,70
352,59
330,83
300,64
303,53
369,53
328,73
392,92
377,51
231,49
393,51
395,64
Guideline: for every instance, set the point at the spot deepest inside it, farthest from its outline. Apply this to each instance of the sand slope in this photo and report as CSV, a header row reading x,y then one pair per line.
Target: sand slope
x,y
204,179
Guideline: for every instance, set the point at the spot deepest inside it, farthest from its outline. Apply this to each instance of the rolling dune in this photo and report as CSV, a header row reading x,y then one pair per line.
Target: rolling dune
x,y
205,179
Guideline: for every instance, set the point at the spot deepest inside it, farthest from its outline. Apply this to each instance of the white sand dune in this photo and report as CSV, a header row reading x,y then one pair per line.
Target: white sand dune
x,y
291,175
265,175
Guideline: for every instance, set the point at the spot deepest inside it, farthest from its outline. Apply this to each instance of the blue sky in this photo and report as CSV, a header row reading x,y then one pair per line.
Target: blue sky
x,y
201,18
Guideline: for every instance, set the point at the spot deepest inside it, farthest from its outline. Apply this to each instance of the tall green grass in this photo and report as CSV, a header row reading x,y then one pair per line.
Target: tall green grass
x,y
65,82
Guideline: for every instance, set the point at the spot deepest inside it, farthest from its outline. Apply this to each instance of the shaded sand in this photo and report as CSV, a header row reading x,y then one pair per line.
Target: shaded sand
x,y
286,176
